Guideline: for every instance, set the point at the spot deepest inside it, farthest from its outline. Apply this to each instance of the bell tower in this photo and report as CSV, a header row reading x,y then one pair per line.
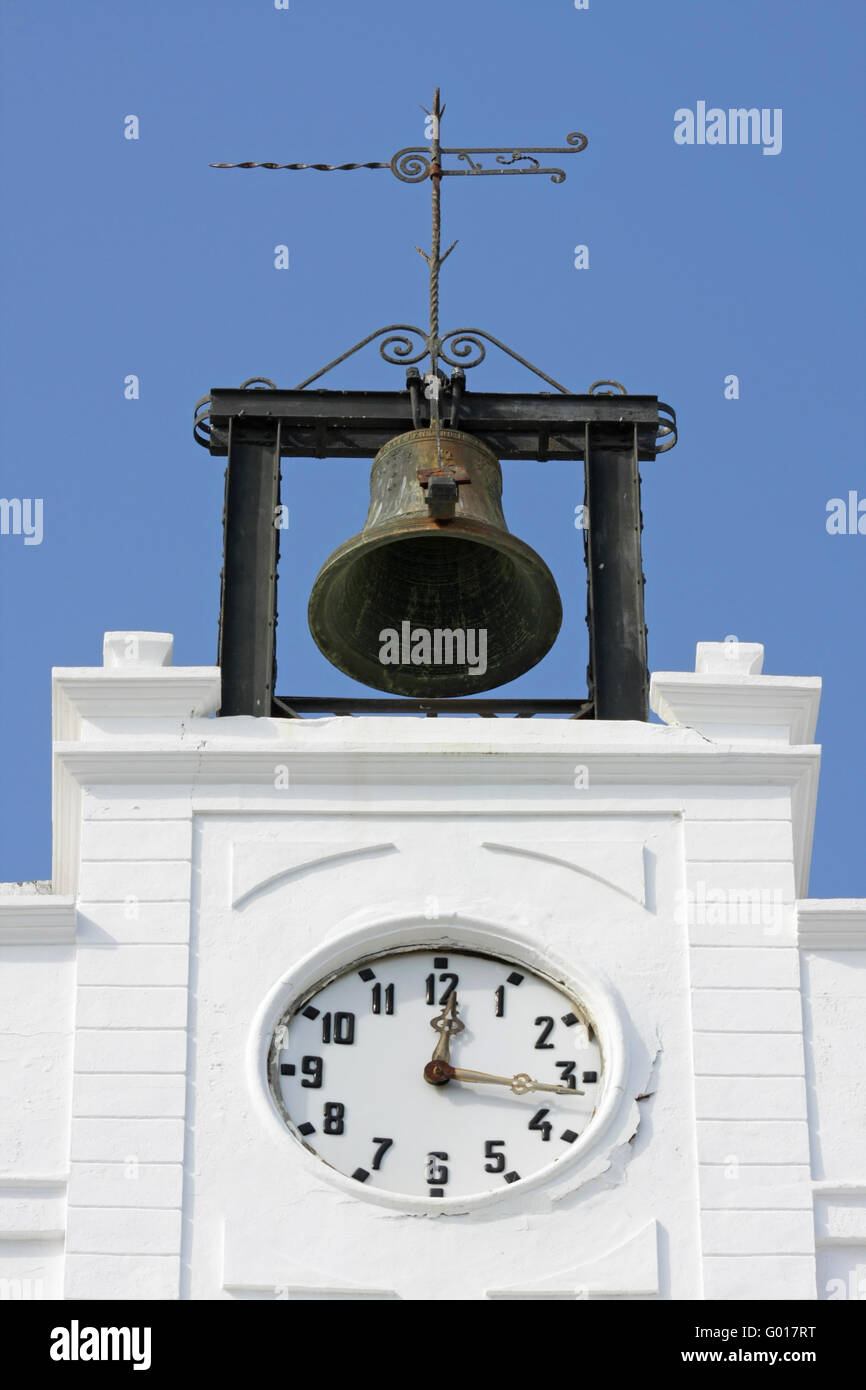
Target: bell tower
x,y
262,933
435,556
341,1000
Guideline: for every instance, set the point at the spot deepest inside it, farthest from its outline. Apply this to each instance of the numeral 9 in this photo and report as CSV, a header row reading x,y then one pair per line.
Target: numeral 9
x,y
312,1068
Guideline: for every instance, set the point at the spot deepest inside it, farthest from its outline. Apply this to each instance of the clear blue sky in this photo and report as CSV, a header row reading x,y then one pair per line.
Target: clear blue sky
x,y
126,257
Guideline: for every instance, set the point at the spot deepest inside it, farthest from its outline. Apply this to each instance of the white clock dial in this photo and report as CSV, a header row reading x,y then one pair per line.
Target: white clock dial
x,y
437,1073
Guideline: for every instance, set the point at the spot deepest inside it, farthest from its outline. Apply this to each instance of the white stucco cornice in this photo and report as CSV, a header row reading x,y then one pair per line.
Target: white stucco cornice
x,y
35,918
368,753
86,694
208,752
831,924
88,703
139,721
738,706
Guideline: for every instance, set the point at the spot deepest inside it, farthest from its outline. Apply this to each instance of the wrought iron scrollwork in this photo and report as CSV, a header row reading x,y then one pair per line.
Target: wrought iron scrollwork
x,y
512,155
415,163
201,429
401,351
411,165
606,381
461,347
396,330
667,428
462,340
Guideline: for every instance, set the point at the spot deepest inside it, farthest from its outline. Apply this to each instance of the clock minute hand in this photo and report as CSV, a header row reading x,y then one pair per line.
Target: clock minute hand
x,y
439,1072
521,1084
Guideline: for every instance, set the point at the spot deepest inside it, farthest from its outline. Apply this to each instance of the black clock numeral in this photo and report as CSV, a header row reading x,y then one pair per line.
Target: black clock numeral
x,y
384,1146
343,1028
449,989
377,999
568,1078
515,978
312,1069
335,1115
490,1148
541,1041
543,1126
437,1170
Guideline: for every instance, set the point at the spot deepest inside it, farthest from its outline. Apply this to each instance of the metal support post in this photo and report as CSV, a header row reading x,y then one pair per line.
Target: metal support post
x,y
617,629
248,617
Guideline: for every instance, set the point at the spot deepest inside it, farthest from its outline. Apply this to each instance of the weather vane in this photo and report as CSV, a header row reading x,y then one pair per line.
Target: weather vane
x,y
413,165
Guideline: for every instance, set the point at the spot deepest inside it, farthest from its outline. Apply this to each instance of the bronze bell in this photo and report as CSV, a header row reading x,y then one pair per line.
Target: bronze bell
x,y
435,597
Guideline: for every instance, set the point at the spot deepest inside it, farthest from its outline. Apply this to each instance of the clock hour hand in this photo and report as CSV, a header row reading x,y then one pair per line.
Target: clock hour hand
x,y
439,1073
446,1024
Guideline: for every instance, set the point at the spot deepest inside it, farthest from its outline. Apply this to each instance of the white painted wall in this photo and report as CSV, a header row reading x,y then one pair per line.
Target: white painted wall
x,y
207,869
37,985
832,938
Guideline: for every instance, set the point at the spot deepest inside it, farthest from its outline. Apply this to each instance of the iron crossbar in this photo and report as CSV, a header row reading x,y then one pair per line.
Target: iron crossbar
x,y
356,424
294,706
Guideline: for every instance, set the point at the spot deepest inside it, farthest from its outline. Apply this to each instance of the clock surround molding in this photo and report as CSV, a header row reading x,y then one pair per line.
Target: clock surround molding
x,y
614,1123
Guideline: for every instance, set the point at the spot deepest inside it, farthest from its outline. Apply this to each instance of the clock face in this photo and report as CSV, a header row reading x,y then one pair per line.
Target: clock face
x,y
418,1072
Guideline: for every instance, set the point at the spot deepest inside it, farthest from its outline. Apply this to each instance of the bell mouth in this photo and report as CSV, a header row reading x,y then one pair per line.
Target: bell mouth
x,y
490,598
